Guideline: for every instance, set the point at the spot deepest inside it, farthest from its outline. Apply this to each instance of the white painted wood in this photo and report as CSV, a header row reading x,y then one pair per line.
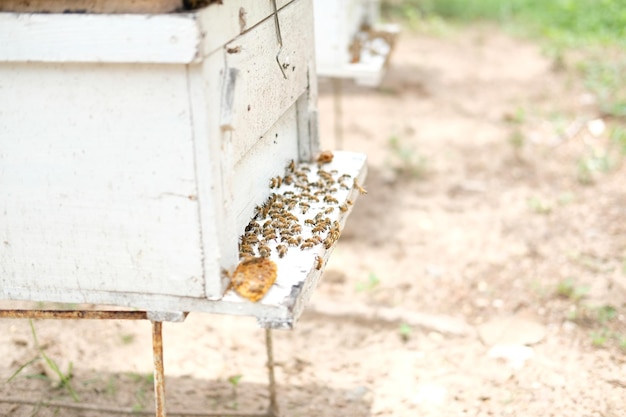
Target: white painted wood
x,y
128,183
221,23
280,308
337,23
98,194
268,158
261,93
26,37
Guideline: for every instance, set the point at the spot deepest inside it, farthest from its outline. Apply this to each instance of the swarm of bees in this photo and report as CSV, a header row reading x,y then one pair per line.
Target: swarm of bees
x,y
295,216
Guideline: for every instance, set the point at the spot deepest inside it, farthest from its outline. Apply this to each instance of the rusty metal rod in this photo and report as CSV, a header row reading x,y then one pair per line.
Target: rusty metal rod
x,y
74,314
273,410
159,373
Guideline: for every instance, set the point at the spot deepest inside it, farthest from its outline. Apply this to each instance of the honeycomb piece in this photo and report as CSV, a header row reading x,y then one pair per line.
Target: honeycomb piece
x,y
254,277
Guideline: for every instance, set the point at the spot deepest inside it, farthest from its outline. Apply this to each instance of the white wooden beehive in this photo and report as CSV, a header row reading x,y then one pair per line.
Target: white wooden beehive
x,y
134,149
350,40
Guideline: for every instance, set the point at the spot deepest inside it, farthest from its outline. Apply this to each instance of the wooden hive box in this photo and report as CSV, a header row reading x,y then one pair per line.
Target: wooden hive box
x,y
350,40
136,148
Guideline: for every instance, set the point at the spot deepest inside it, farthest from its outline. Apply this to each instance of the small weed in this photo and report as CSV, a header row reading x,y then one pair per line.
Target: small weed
x,y
64,378
405,160
617,134
539,206
405,332
568,289
589,167
372,282
127,339
111,387
599,338
606,313
234,382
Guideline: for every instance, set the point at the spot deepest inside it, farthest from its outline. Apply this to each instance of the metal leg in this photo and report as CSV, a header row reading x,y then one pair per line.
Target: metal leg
x,y
273,411
159,376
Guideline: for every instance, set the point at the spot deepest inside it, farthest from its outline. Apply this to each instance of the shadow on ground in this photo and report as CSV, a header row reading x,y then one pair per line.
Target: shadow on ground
x,y
107,394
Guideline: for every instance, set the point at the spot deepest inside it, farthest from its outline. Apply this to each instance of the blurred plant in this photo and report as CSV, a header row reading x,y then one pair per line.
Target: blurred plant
x,y
405,332
539,206
590,166
64,378
127,339
404,160
570,290
234,382
372,282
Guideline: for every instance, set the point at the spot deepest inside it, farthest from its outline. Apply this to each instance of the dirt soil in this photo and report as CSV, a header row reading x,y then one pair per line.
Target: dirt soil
x,y
483,274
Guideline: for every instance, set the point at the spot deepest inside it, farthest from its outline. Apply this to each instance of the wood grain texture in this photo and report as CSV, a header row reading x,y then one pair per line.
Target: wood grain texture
x,y
98,38
97,194
91,6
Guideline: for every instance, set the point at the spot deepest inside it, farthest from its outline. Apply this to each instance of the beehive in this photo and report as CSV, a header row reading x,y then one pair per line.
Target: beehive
x,y
350,40
135,149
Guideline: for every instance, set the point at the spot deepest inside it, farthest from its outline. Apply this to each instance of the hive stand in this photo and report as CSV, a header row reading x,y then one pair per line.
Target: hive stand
x,y
137,145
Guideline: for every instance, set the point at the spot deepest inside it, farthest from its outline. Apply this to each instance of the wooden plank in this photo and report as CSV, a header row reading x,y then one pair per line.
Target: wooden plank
x,y
281,307
207,158
261,93
222,23
98,191
98,38
91,6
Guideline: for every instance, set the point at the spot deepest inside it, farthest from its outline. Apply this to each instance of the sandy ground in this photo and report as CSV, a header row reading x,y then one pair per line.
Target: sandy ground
x,y
482,275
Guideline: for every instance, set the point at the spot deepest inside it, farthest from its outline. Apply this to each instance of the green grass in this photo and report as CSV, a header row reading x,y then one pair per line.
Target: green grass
x,y
595,27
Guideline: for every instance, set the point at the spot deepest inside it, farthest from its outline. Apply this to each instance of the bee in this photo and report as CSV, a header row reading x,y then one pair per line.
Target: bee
x,y
349,202
292,166
269,235
330,199
264,251
320,192
291,204
282,250
291,216
288,193
288,180
332,190
267,225
252,226
245,248
319,228
324,174
305,207
276,182
294,241
296,228
329,210
343,208
334,171
306,245
325,157
319,262
328,242
305,169
319,216
344,186
249,239
302,186
310,222
358,187
314,239
345,177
